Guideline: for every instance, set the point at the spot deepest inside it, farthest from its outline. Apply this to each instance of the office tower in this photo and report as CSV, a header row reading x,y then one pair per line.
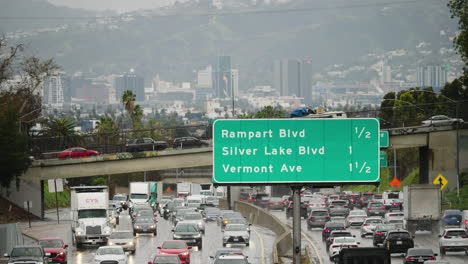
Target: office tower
x,y
222,77
294,78
52,91
130,81
431,76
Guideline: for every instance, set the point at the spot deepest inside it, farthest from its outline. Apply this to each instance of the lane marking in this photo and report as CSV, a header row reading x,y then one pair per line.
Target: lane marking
x,y
313,245
261,245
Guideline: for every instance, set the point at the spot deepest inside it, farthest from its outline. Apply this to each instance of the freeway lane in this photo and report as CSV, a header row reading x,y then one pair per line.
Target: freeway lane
x,y
259,252
423,240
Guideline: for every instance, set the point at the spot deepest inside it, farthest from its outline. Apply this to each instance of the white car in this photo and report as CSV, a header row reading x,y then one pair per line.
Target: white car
x,y
453,239
369,225
236,234
356,218
396,218
110,253
339,243
441,120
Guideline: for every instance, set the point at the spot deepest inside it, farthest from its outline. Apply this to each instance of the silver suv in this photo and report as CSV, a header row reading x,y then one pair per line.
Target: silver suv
x,y
317,218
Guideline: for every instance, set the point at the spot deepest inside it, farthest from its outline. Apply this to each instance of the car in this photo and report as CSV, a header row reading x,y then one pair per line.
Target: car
x,y
188,142
236,234
72,153
162,203
242,221
369,225
453,239
396,218
452,218
56,248
334,234
285,199
231,259
377,198
441,120
330,226
375,208
195,218
464,223
144,144
212,200
141,207
177,247
226,251
338,207
392,200
364,200
289,210
165,259
145,225
380,232
315,203
398,241
110,254
31,254
339,243
180,213
259,199
353,199
211,214
317,218
224,217
356,218
146,214
275,203
123,238
188,232
419,255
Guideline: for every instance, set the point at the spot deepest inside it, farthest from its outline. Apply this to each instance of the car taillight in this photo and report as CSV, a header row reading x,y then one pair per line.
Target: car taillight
x,y
331,206
270,203
362,199
447,237
350,217
312,217
410,259
327,217
331,239
466,222
369,208
354,246
395,204
240,199
365,225
323,204
311,204
336,246
432,258
378,233
254,200
383,207
446,217
345,206
326,230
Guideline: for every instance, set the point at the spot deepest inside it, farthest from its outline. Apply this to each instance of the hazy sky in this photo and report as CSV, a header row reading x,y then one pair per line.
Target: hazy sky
x,y
115,5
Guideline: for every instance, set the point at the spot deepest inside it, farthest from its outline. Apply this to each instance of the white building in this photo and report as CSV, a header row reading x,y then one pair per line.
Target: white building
x,y
205,77
52,91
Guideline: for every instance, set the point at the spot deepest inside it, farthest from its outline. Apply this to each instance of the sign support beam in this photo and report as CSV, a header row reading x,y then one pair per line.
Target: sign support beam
x,y
296,189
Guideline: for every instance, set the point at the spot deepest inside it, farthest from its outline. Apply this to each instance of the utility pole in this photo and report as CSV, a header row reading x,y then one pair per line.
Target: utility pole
x,y
296,189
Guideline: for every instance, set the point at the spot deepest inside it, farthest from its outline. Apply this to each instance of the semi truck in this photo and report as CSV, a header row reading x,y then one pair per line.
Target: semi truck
x,y
90,220
207,189
156,192
139,193
422,207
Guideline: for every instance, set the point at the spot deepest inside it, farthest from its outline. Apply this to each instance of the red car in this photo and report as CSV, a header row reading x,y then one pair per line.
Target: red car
x,y
77,153
165,259
177,247
56,248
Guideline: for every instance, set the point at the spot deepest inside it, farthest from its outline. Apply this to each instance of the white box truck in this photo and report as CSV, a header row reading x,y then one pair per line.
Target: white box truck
x,y
139,193
207,189
195,189
90,220
183,189
422,208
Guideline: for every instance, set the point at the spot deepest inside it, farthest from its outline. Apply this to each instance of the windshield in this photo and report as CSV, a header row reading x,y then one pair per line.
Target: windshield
x,y
92,213
26,252
373,221
212,211
144,221
186,228
340,203
399,235
393,196
385,227
344,240
167,260
174,245
236,228
145,213
230,261
357,213
109,251
51,243
121,235
140,196
192,217
119,198
237,221
457,233
319,213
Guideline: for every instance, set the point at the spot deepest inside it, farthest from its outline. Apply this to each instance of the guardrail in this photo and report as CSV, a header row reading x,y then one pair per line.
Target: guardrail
x,y
257,216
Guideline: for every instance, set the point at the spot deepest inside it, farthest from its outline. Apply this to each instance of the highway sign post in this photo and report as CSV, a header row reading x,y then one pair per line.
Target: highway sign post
x,y
384,139
383,159
281,151
441,181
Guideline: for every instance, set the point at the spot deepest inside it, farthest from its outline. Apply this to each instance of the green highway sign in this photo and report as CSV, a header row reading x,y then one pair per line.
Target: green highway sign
x,y
383,159
319,151
384,141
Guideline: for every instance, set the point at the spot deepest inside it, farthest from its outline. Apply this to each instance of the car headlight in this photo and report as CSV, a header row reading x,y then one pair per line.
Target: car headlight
x,y
130,243
177,236
225,222
110,243
137,227
197,236
184,254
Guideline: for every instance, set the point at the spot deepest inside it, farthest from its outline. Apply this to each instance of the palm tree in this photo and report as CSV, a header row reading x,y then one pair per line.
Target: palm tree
x,y
106,125
137,114
60,127
128,100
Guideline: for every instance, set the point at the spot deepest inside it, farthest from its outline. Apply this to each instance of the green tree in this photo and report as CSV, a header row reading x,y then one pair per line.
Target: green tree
x,y
60,127
106,125
459,10
271,112
128,100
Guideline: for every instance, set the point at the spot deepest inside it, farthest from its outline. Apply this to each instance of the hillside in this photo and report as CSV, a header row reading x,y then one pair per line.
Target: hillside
x,y
175,40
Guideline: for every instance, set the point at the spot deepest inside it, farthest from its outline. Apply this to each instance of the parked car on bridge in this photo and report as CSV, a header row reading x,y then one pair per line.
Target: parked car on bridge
x,y
188,142
144,144
442,120
72,153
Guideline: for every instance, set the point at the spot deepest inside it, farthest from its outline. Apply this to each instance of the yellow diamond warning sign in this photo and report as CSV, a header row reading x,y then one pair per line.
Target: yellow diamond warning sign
x,y
440,180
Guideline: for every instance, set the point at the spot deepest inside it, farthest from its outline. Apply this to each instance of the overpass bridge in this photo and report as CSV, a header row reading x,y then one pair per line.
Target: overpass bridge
x,y
441,149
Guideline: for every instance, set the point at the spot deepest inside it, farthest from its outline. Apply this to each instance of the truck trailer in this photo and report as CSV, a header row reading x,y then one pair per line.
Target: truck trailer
x,y
422,207
139,193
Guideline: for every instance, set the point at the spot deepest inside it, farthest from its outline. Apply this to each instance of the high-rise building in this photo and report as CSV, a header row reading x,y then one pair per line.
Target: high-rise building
x,y
294,78
52,91
222,77
431,76
130,81
205,77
